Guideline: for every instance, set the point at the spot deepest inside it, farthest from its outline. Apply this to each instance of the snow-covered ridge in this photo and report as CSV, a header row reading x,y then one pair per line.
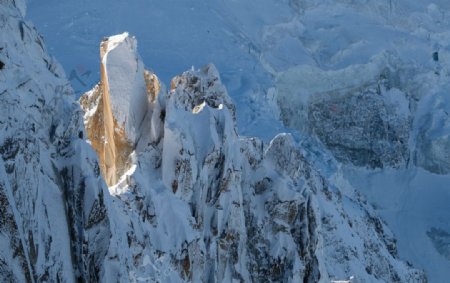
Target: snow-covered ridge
x,y
201,204
53,224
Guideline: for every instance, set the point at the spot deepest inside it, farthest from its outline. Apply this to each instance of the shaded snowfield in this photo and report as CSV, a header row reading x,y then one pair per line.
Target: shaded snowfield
x,y
258,46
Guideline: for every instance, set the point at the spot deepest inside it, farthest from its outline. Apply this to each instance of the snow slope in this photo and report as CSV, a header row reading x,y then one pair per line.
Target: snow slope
x,y
417,211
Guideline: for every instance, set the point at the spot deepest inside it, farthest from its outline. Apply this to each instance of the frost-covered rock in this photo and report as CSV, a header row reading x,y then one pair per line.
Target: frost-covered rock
x,y
355,86
366,128
376,115
54,225
433,133
360,113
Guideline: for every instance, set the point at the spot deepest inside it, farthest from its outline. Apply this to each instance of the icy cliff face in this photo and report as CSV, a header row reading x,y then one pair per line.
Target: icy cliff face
x,y
54,225
199,203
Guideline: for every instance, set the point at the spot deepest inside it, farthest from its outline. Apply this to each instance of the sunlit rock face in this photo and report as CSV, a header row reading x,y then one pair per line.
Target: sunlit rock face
x,y
117,106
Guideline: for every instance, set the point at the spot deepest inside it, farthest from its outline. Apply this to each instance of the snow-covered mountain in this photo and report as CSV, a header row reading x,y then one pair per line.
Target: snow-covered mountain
x,y
152,184
54,225
228,208
192,201
209,206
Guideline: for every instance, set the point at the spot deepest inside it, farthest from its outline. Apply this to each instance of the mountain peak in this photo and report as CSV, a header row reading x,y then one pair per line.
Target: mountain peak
x,y
118,105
